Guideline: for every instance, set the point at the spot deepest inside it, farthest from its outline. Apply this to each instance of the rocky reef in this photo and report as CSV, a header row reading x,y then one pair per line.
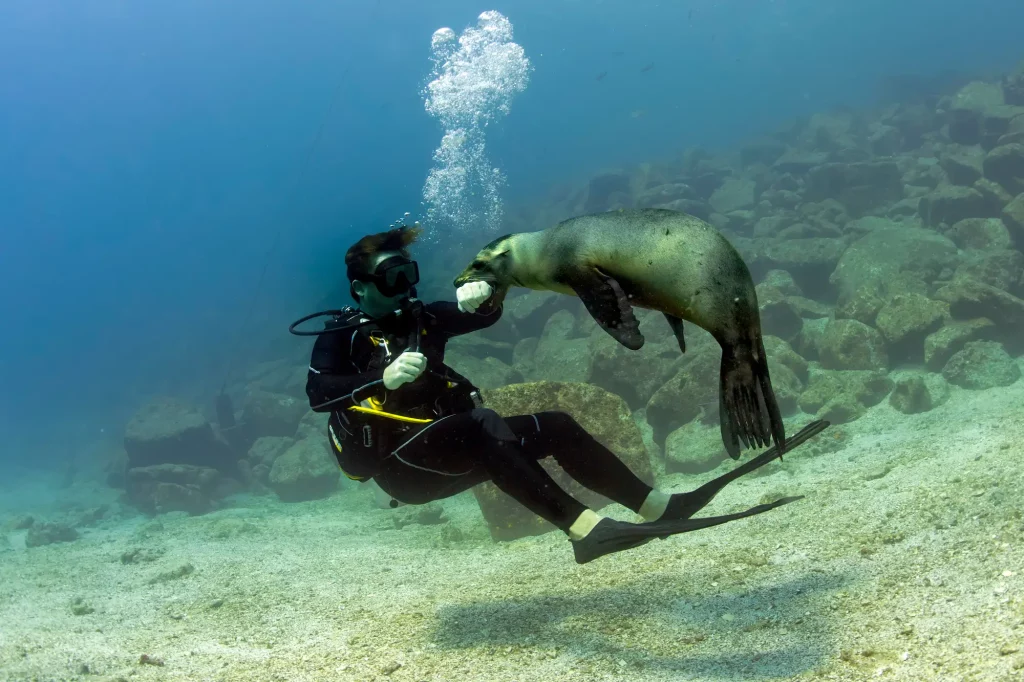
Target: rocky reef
x,y
886,246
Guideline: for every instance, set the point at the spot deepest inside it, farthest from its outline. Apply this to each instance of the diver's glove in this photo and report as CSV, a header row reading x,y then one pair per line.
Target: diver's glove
x,y
404,369
471,294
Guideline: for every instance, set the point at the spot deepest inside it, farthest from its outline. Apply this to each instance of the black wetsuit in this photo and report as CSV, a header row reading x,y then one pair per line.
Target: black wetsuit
x,y
464,444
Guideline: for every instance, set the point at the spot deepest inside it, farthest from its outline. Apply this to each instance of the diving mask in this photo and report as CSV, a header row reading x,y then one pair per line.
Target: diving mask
x,y
395,275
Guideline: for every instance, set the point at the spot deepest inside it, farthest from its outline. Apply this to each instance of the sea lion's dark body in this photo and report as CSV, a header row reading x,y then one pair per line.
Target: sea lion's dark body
x,y
662,260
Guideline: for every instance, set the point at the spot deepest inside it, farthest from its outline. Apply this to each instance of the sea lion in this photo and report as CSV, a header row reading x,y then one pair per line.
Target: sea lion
x,y
661,260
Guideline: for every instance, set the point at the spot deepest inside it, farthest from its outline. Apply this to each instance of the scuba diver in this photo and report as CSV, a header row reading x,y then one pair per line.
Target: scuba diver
x,y
401,417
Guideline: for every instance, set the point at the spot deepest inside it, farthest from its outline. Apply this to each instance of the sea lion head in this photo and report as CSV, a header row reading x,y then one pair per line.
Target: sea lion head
x,y
493,264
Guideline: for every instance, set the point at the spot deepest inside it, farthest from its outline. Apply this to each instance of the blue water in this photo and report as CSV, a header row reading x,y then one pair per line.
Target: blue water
x,y
152,154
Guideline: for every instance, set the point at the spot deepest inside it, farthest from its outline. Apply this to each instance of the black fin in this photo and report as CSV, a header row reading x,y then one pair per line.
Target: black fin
x,y
748,411
608,304
610,535
677,329
685,505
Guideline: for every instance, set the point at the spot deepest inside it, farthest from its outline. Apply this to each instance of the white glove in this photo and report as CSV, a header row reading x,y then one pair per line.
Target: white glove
x,y
405,368
471,294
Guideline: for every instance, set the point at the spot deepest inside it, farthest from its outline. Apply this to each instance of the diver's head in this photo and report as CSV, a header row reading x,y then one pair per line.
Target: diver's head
x,y
380,272
493,264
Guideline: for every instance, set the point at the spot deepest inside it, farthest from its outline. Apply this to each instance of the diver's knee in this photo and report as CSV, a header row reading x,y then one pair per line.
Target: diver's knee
x,y
557,419
484,414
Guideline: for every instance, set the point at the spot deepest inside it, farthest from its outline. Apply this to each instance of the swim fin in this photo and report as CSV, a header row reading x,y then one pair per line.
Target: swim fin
x,y
685,505
610,535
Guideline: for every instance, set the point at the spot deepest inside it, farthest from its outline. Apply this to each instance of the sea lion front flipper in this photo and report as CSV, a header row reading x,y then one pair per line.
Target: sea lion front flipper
x,y
677,329
608,304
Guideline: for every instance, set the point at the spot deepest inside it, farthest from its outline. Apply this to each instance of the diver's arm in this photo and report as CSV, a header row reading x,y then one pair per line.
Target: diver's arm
x,y
446,316
333,382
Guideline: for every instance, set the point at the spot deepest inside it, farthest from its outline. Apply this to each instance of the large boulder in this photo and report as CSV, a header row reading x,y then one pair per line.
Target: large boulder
x,y
271,414
981,365
1005,165
169,431
849,344
968,299
872,262
842,396
981,234
164,488
905,321
636,375
940,346
1013,218
734,194
963,165
603,415
860,187
557,356
810,261
949,204
305,471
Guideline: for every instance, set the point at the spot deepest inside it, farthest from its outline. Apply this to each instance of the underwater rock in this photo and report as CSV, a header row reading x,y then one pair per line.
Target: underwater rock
x,y
604,415
863,305
860,187
694,448
691,393
799,161
808,342
168,431
845,394
167,488
271,414
811,262
981,233
40,534
484,373
981,365
906,320
885,140
1013,218
262,454
969,110
994,193
1005,165
770,226
636,375
916,393
557,356
530,312
876,259
778,316
1013,87
734,194
950,204
940,346
963,165
782,281
305,471
809,309
999,268
659,195
849,344
765,150
602,188
781,353
476,346
969,298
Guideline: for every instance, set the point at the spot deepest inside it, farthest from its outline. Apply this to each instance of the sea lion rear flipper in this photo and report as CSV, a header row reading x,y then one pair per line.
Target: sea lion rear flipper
x,y
677,329
748,410
608,304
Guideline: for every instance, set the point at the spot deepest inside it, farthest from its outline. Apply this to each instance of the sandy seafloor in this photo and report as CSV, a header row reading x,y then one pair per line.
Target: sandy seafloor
x,y
904,562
